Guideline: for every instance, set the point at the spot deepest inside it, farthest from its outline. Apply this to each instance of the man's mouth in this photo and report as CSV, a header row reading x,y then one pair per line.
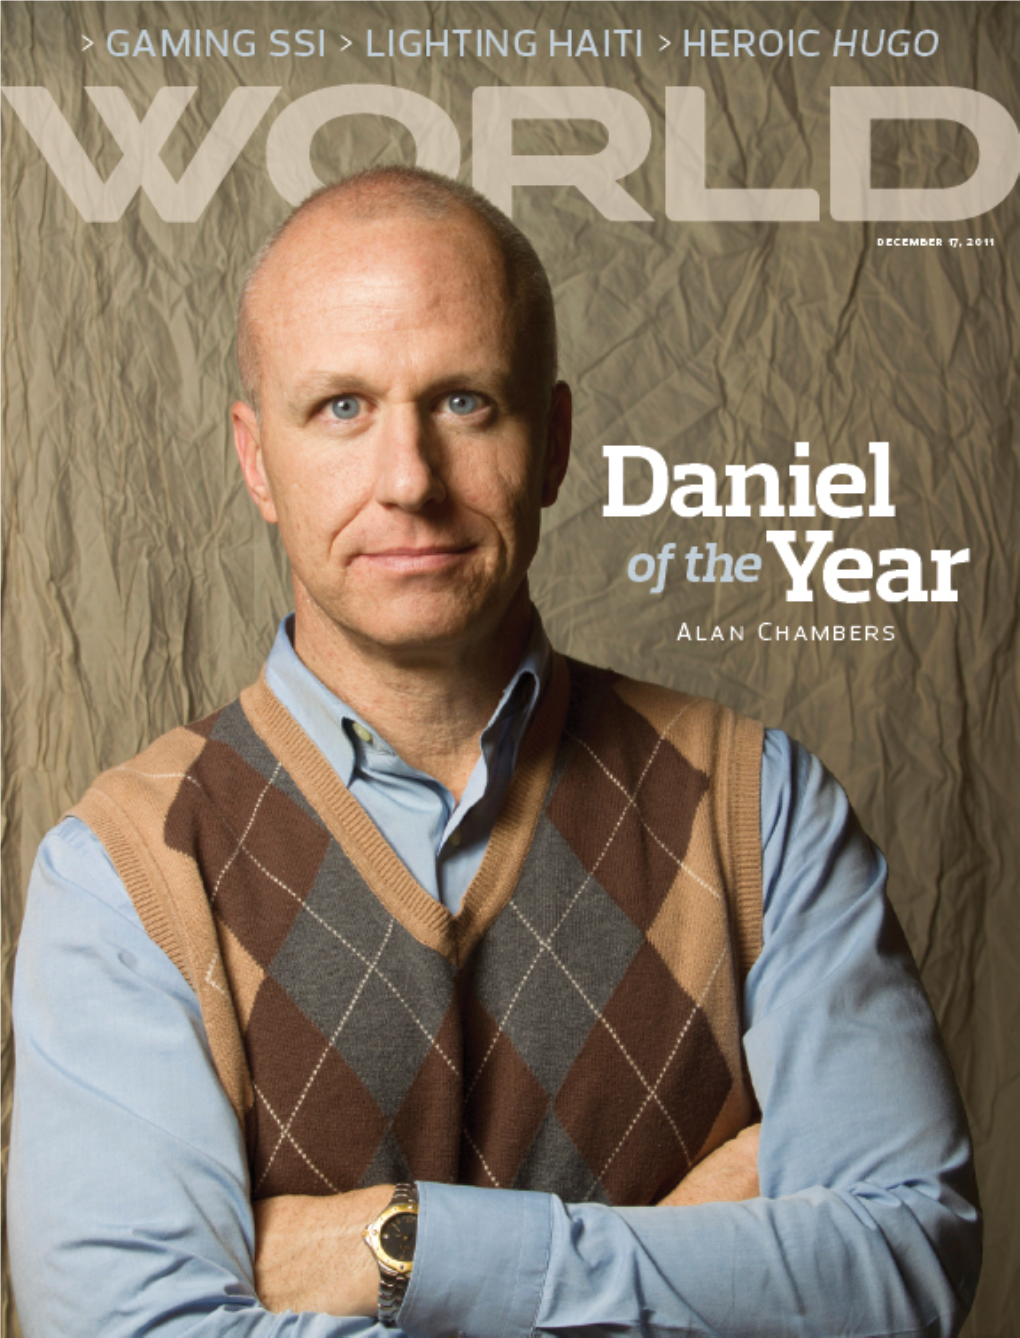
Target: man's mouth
x,y
412,559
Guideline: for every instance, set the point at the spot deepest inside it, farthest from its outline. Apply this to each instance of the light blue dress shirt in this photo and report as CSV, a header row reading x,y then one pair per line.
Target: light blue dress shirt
x,y
128,1208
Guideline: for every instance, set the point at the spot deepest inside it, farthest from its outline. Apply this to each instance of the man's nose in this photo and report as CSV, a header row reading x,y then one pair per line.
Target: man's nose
x,y
408,462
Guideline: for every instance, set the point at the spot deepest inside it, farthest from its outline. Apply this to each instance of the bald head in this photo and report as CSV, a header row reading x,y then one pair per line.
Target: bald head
x,y
383,195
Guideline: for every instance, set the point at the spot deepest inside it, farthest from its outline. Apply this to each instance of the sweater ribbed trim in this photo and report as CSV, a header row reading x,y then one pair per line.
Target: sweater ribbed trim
x,y
744,814
140,875
126,807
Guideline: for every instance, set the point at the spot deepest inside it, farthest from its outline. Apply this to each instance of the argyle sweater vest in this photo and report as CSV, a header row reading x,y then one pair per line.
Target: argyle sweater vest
x,y
575,1028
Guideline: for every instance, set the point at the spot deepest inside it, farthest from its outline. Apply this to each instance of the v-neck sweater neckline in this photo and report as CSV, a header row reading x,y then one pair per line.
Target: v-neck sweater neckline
x,y
426,918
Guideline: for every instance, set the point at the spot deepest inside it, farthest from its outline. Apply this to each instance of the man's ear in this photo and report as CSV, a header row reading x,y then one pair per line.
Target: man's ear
x,y
557,447
248,442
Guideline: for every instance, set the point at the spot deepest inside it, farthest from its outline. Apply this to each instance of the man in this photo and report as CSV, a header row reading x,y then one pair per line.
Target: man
x,y
430,904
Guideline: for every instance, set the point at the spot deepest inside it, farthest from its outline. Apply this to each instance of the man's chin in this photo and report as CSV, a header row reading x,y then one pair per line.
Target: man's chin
x,y
422,618
418,630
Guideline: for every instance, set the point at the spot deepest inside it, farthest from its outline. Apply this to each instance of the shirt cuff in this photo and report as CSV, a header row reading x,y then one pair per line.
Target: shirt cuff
x,y
480,1262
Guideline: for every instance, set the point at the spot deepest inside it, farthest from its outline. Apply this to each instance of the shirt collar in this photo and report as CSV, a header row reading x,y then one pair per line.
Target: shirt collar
x,y
333,726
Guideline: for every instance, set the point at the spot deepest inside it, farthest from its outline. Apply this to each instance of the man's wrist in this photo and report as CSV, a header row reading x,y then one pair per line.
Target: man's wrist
x,y
309,1252
391,1238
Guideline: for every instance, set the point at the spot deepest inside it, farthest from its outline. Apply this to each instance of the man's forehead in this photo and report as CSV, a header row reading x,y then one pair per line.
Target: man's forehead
x,y
340,238
342,270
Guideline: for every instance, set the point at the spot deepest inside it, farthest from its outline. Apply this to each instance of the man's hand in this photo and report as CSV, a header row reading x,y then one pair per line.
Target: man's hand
x,y
730,1173
309,1254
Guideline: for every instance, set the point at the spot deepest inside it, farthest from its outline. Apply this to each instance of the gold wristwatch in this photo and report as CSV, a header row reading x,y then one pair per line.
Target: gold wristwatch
x,y
392,1238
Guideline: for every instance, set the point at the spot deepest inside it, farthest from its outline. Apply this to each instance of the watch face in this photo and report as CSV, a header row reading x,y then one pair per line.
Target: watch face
x,y
398,1237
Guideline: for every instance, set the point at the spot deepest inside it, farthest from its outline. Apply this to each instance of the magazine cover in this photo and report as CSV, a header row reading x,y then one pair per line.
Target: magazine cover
x,y
783,245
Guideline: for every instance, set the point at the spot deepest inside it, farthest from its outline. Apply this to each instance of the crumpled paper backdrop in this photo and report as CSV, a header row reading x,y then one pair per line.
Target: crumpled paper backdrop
x,y
141,589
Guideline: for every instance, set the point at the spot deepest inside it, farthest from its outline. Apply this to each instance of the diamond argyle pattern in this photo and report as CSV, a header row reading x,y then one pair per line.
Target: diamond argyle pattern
x,y
581,1046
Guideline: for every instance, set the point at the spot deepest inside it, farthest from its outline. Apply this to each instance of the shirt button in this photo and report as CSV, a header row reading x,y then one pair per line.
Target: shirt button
x,y
455,839
365,735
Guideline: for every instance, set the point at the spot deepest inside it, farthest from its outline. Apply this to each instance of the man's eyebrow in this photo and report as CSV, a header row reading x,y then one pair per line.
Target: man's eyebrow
x,y
318,386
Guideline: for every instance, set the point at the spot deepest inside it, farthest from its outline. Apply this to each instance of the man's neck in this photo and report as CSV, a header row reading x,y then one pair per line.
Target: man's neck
x,y
430,705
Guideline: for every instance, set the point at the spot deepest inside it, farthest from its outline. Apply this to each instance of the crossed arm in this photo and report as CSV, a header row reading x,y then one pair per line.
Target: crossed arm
x,y
309,1254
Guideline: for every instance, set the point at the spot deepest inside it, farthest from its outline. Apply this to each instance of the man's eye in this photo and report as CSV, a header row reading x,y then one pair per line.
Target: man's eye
x,y
345,406
462,402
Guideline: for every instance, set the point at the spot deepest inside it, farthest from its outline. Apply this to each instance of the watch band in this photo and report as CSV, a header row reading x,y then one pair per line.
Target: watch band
x,y
392,1290
392,1284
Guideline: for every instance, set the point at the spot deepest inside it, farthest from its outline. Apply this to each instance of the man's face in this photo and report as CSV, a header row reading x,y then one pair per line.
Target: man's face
x,y
403,449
